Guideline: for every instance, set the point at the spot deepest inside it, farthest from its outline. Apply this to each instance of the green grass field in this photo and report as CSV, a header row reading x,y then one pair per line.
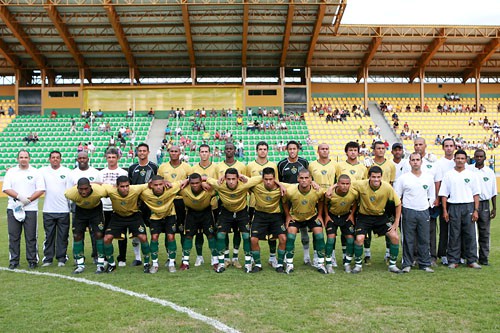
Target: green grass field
x,y
462,300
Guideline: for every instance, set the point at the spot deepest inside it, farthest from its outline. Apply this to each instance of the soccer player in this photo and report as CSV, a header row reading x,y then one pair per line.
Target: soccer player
x,y
373,197
233,214
459,193
340,208
88,214
55,211
417,191
267,221
198,217
231,162
255,168
300,204
139,173
206,169
109,175
398,161
24,185
126,215
488,187
160,201
288,171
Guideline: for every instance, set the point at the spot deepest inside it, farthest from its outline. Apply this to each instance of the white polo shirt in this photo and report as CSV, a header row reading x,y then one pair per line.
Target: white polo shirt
x,y
459,187
444,165
417,192
427,166
92,174
487,182
108,176
25,182
57,181
399,168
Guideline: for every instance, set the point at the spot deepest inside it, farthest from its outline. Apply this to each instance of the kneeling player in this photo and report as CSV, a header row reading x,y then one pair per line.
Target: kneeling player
x,y
268,218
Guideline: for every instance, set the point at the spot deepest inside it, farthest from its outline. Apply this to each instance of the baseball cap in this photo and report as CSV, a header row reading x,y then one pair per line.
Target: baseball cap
x,y
397,145
19,213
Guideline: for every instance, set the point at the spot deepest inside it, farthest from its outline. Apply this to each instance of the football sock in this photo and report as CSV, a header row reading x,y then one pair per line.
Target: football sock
x,y
290,246
330,245
108,251
78,253
393,252
281,256
256,258
319,246
99,244
154,250
171,249
358,252
221,246
213,247
246,247
198,243
146,251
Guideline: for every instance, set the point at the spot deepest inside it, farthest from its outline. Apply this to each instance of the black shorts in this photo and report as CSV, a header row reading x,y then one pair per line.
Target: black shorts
x,y
107,218
165,225
310,224
199,221
267,226
180,215
93,219
228,221
146,213
370,223
339,221
119,224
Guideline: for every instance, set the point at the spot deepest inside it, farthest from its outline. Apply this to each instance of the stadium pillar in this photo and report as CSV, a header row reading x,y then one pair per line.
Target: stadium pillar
x,y
244,76
365,83
478,92
308,87
422,90
193,76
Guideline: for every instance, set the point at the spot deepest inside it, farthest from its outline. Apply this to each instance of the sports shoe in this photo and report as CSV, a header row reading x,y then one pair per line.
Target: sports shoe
x,y
166,263
79,270
329,269
386,259
61,264
256,269
94,260
32,265
199,261
395,269
474,265
100,270
368,260
122,264
236,263
147,268
307,258
136,263
452,266
220,269
289,269
171,269
280,269
184,267
227,262
407,269
334,261
273,262
214,260
248,268
13,266
357,269
47,264
427,270
153,269
444,261
347,268
321,269
484,262
111,268
462,261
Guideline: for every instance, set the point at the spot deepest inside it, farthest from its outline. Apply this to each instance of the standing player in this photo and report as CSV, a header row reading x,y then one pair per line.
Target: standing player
x,y
24,185
268,218
417,192
340,208
488,187
373,197
288,172
88,214
303,207
125,216
398,161
139,173
55,211
255,168
459,193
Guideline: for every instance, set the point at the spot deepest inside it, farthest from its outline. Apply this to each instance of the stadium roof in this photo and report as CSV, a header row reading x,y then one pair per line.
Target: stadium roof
x,y
168,38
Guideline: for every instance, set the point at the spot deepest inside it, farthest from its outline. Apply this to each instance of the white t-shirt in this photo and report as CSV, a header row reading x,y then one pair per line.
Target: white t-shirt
x,y
108,176
459,187
56,182
417,193
487,182
444,165
426,167
25,182
399,168
91,173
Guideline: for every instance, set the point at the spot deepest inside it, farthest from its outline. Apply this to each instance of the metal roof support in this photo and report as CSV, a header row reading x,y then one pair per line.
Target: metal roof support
x,y
288,30
244,36
369,55
477,76
429,52
317,30
7,53
189,37
481,58
421,77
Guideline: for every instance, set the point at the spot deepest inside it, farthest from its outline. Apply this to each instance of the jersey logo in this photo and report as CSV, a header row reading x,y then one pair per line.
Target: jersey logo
x,y
159,202
260,172
343,203
123,203
425,187
429,166
304,202
232,195
486,179
86,203
268,198
294,170
194,201
62,176
173,175
352,172
372,199
466,180
323,172
142,173
91,179
30,177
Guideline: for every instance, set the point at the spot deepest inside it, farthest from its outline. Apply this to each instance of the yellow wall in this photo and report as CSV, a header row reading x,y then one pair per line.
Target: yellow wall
x,y
61,102
256,101
7,90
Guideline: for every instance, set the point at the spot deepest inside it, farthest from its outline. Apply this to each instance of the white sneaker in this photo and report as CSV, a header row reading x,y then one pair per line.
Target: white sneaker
x,y
122,264
347,268
199,261
289,268
329,269
427,270
357,269
394,269
334,261
61,264
153,270
273,262
172,269
444,261
79,270
248,268
46,264
214,261
407,269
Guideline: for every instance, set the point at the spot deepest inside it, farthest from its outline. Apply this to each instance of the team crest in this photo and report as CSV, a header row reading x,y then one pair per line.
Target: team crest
x,y
123,203
159,202
268,198
142,173
194,201
63,176
466,180
342,204
429,166
91,179
260,172
323,172
303,202
372,199
86,203
232,195
173,175
30,177
425,187
352,172
486,179
141,228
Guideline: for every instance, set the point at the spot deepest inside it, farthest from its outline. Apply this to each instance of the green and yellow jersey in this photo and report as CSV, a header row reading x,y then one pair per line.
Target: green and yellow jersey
x,y
388,171
125,206
223,166
90,202
323,174
163,205
267,201
373,202
341,204
254,168
356,171
174,173
210,171
303,205
234,200
197,202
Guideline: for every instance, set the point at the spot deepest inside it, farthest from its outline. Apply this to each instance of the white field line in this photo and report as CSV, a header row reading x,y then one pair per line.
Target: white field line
x,y
207,320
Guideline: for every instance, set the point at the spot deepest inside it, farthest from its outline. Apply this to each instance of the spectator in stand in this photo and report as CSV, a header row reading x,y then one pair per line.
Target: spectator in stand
x,y
376,130
471,122
361,131
108,127
438,140
130,113
426,108
53,113
79,148
395,116
99,114
102,128
482,108
329,118
418,108
370,130
151,113
86,127
229,112
91,147
72,128
11,110
239,120
111,142
408,108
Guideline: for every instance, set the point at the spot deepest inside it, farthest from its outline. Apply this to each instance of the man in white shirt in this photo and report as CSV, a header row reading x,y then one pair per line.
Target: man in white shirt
x,y
459,193
24,185
417,191
398,160
55,211
488,187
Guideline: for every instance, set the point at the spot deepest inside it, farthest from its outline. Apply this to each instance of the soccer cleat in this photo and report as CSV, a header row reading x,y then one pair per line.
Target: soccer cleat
x,y
111,268
357,269
32,265
153,269
334,261
171,269
256,269
347,268
227,262
248,268
79,270
452,266
61,264
199,261
220,269
273,262
184,267
13,266
474,265
236,263
280,269
407,269
289,269
122,264
395,269
47,264
368,260
427,270
444,261
147,268
329,269
321,269
307,258
100,270
136,263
